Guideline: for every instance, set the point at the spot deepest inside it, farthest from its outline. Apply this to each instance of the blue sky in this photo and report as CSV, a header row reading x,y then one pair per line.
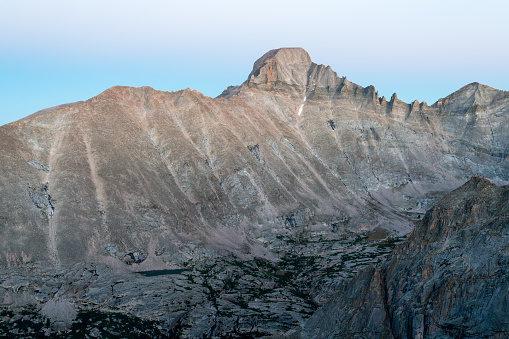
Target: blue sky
x,y
54,52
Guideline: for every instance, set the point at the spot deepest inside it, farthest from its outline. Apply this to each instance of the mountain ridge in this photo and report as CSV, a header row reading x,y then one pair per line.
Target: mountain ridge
x,y
175,211
305,149
281,61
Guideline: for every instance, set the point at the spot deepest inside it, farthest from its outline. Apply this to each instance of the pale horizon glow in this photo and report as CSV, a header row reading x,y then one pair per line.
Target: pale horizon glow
x,y
55,52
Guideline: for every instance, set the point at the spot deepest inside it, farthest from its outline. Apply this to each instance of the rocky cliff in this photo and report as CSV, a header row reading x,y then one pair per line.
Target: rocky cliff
x,y
129,176
448,280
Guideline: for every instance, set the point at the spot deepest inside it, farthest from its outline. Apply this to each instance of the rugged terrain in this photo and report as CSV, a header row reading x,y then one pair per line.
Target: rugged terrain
x,y
448,280
260,203
128,175
218,297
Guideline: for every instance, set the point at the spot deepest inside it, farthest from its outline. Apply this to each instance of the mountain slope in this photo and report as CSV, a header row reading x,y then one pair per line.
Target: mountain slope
x,y
131,175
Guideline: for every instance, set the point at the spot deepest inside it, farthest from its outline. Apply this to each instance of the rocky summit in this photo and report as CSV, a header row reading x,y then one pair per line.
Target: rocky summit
x,y
183,215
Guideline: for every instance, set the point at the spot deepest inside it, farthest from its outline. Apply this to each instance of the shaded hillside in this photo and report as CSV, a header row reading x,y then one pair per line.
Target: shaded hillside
x,y
448,280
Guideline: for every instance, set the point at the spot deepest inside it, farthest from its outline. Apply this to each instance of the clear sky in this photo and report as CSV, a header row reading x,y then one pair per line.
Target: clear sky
x,y
55,52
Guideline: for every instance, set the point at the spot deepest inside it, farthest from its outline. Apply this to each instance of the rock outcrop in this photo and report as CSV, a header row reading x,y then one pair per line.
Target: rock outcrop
x,y
448,280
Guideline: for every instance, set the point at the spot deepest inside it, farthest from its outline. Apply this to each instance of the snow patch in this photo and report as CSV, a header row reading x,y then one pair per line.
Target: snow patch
x,y
301,107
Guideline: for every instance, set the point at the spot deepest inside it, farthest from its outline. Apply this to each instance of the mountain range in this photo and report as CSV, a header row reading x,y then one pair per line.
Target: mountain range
x,y
136,179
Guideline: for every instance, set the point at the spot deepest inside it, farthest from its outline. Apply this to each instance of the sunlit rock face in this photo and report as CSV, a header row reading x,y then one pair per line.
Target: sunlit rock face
x,y
131,177
448,280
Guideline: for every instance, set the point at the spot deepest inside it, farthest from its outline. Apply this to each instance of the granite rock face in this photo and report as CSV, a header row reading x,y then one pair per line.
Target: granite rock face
x,y
131,177
448,280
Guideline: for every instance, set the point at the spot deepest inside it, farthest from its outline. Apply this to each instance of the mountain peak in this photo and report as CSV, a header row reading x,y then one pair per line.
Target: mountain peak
x,y
287,56
280,69
478,183
470,98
